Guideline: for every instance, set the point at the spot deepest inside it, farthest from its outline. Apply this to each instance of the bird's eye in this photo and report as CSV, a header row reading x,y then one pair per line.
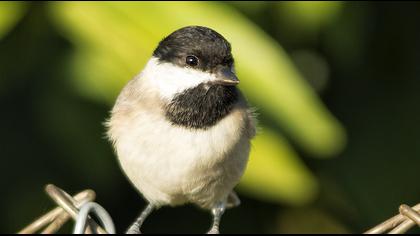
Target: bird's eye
x,y
191,60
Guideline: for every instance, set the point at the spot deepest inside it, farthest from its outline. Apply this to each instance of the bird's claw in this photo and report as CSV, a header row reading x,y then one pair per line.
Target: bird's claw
x,y
213,231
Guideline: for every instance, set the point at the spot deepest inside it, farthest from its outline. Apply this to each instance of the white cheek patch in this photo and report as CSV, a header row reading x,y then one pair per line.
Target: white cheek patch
x,y
171,79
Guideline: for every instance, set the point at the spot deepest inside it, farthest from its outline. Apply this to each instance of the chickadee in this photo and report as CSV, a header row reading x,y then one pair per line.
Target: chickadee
x,y
181,128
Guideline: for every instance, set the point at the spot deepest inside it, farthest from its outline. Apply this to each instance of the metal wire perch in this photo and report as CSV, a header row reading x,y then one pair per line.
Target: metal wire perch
x,y
78,208
400,223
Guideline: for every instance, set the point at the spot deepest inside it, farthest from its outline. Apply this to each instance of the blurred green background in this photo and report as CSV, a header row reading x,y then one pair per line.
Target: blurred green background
x,y
336,86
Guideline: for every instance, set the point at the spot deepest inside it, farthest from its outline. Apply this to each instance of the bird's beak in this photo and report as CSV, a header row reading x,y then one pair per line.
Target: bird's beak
x,y
225,76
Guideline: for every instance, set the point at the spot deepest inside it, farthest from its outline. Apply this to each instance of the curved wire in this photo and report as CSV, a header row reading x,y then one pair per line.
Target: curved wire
x,y
100,212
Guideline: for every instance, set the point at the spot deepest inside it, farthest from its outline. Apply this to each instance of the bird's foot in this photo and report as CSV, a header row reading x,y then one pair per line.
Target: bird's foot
x,y
214,231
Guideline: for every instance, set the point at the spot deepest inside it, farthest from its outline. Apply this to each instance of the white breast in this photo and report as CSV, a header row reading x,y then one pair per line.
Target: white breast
x,y
173,165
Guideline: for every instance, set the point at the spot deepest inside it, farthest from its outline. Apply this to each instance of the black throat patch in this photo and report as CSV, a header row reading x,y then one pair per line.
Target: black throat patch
x,y
201,107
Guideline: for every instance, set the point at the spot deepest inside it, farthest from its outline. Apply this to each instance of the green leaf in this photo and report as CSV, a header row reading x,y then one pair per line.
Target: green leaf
x,y
10,13
311,14
303,20
276,174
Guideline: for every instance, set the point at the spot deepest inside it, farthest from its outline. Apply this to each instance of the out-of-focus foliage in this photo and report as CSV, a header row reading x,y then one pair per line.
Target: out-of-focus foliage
x,y
303,18
309,15
309,221
114,41
62,65
10,13
250,7
275,172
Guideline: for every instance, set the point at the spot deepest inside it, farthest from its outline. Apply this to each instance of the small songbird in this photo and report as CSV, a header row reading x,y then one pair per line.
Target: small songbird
x,y
181,128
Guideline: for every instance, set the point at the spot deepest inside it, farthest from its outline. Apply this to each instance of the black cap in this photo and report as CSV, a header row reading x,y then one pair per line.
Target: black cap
x,y
209,47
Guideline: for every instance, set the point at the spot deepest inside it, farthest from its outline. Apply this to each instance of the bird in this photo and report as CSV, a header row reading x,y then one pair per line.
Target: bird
x,y
182,129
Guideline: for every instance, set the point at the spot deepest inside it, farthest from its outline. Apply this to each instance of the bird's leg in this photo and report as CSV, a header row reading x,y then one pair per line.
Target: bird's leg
x,y
217,212
135,227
